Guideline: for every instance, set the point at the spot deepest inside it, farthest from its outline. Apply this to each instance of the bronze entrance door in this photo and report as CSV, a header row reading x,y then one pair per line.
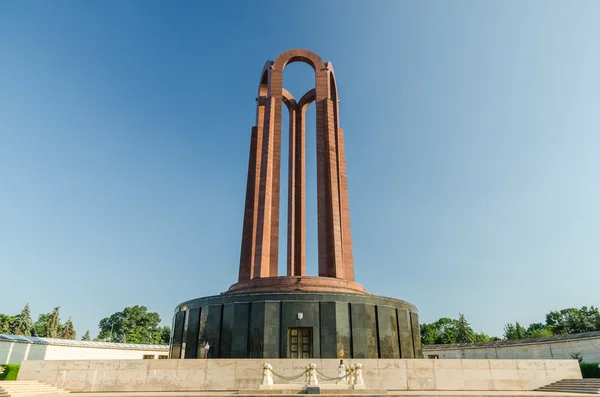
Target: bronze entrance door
x,y
300,343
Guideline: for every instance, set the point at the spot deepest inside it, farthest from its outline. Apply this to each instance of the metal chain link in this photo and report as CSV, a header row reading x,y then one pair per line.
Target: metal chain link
x,y
329,378
322,375
288,377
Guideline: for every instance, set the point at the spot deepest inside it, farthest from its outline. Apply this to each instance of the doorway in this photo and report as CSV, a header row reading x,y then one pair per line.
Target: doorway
x,y
300,343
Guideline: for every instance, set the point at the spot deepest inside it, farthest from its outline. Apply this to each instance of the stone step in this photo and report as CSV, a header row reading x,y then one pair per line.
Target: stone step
x,y
395,393
22,394
24,382
20,390
580,381
568,388
582,386
29,389
35,391
573,386
36,395
572,389
12,384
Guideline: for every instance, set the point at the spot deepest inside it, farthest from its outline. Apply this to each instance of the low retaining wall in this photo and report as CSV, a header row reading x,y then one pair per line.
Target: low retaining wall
x,y
551,348
236,374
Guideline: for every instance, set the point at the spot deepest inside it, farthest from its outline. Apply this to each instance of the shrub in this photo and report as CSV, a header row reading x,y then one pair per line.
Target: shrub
x,y
590,370
10,371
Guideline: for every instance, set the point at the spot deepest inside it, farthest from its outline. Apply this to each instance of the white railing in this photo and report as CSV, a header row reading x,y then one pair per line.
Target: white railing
x,y
351,375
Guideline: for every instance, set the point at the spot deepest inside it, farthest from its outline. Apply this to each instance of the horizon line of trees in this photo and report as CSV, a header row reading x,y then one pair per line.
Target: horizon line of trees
x,y
136,325
561,322
131,325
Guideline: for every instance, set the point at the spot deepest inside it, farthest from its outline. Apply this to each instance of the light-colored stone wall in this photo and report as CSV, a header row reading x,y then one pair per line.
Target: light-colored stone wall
x,y
15,352
225,374
98,353
590,349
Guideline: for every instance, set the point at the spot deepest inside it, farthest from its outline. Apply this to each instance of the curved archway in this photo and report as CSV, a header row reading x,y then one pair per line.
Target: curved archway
x,y
261,222
263,84
299,55
289,100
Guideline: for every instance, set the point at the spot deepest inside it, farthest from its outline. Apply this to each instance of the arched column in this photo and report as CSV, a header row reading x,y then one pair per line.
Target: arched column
x,y
263,187
346,237
260,241
248,250
297,190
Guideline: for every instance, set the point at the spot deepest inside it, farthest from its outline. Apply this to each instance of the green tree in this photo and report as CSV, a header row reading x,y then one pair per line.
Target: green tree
x,y
40,327
22,324
54,323
86,336
539,330
440,332
132,325
464,332
165,335
577,356
48,324
513,332
5,323
483,337
68,330
573,321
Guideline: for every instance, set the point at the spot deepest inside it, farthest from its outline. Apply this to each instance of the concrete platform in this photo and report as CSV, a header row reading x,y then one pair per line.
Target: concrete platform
x,y
389,393
324,388
228,375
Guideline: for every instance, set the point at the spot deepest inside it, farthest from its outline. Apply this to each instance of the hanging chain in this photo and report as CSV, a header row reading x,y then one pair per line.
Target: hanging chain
x,y
289,377
329,378
322,375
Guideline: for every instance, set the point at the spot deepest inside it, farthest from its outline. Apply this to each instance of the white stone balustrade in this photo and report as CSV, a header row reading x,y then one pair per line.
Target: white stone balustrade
x,y
267,379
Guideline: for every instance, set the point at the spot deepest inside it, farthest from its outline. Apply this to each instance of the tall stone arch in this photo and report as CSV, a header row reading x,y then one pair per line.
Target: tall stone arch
x,y
260,236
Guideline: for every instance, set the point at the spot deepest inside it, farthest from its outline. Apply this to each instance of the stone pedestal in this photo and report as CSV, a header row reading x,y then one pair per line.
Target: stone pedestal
x,y
257,325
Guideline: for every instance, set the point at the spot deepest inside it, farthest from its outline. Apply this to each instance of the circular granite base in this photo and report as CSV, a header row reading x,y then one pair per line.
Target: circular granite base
x,y
295,324
297,284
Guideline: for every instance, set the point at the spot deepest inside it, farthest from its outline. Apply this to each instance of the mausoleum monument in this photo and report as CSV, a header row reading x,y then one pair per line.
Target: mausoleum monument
x,y
312,320
265,315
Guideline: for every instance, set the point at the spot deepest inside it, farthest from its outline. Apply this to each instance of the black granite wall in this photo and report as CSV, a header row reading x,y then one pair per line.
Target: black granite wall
x,y
256,326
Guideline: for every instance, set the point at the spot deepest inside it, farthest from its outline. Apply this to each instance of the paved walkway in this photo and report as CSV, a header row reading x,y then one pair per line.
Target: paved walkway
x,y
366,393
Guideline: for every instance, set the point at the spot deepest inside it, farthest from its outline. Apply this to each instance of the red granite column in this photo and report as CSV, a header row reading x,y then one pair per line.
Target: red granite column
x,y
345,208
275,186
297,190
246,258
263,228
322,193
335,251
260,235
292,178
300,184
342,183
248,251
335,266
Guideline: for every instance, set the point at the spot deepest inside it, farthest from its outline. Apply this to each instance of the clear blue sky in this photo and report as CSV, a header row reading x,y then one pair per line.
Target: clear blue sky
x,y
472,137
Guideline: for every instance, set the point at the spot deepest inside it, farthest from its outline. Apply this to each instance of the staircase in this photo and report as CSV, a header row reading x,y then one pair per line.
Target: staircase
x,y
587,386
23,388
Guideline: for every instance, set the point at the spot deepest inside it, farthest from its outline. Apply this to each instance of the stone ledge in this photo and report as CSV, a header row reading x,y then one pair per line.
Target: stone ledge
x,y
297,284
